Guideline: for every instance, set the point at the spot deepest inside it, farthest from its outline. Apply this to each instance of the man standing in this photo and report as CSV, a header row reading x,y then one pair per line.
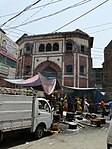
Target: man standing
x,y
86,105
61,108
103,108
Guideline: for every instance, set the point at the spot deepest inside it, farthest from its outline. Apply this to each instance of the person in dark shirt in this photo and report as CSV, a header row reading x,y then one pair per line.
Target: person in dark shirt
x,y
61,108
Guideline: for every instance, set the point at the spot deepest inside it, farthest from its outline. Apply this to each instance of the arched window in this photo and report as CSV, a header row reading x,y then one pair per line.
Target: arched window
x,y
69,69
20,52
27,70
55,46
48,47
82,48
29,47
41,48
69,46
82,70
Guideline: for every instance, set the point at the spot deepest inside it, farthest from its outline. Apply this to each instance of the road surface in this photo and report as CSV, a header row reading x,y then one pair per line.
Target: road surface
x,y
80,138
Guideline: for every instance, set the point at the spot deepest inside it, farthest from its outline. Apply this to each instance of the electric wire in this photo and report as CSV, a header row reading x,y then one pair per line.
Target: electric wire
x,y
42,7
25,9
95,26
50,15
61,10
36,12
30,9
100,30
33,14
81,16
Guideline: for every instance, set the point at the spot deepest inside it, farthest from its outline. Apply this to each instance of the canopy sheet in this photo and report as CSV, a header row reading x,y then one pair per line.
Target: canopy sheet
x,y
48,83
82,89
98,96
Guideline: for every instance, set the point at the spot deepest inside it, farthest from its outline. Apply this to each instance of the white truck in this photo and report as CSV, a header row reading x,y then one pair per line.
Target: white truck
x,y
18,112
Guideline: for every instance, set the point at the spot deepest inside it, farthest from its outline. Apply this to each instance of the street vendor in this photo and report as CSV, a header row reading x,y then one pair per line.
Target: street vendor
x,y
102,104
65,105
79,107
86,105
61,108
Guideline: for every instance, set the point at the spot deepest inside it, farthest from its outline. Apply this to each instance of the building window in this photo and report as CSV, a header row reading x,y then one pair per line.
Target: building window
x,y
41,48
29,47
48,47
19,69
55,46
82,48
69,46
82,70
20,52
27,70
69,69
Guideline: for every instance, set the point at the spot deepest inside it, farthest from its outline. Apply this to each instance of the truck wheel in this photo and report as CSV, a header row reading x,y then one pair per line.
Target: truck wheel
x,y
1,137
108,146
39,132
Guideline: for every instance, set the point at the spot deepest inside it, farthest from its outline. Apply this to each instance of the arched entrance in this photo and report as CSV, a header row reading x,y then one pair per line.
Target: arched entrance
x,y
49,72
49,69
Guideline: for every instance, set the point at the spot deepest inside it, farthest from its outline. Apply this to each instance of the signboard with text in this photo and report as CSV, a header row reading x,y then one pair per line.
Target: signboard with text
x,y
4,69
8,46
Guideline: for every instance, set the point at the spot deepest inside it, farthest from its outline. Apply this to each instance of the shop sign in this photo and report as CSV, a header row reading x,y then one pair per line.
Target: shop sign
x,y
8,46
4,69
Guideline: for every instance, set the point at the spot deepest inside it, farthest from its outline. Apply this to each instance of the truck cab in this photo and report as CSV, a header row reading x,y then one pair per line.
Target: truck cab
x,y
42,117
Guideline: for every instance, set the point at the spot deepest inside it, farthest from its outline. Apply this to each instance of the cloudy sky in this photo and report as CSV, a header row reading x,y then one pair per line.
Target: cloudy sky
x,y
47,16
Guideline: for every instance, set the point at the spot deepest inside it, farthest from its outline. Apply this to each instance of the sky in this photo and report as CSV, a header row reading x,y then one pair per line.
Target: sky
x,y
46,16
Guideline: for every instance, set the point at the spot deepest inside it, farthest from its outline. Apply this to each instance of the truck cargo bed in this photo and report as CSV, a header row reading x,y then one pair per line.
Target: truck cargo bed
x,y
15,112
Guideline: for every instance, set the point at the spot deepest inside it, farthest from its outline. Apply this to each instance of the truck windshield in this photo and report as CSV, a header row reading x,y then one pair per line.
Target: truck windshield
x,y
43,106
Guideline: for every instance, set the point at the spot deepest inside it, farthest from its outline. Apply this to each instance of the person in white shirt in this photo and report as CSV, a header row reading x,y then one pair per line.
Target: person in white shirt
x,y
86,105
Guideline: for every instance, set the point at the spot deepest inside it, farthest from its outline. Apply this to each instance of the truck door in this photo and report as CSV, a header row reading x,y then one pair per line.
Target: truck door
x,y
44,113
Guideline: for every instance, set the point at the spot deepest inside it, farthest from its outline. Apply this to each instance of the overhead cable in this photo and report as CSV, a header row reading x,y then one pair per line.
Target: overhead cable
x,y
28,7
36,12
99,25
50,15
81,16
31,15
101,30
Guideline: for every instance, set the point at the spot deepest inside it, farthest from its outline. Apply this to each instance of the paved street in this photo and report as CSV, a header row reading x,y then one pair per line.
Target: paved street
x,y
80,138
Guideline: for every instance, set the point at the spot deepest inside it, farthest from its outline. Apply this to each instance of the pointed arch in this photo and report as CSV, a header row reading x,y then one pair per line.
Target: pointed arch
x,y
49,68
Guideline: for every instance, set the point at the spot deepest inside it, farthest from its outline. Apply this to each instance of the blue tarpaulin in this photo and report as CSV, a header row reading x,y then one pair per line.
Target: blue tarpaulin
x,y
99,96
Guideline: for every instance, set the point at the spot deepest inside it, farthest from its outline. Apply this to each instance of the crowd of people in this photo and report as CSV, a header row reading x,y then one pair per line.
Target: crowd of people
x,y
72,105
77,104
